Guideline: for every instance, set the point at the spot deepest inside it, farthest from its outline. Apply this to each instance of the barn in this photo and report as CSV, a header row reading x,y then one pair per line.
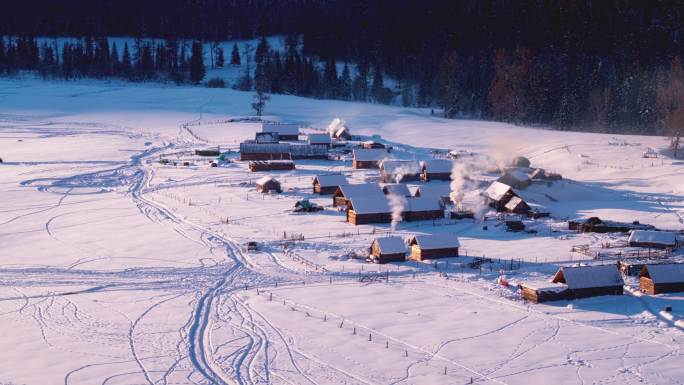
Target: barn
x,y
423,209
271,165
662,278
515,178
517,205
437,169
439,191
498,194
319,139
362,210
653,239
590,281
264,151
399,171
542,291
344,193
399,189
388,249
268,184
368,158
286,131
434,246
327,184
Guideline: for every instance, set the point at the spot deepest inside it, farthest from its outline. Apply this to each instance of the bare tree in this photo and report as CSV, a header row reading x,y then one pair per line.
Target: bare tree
x,y
671,104
259,102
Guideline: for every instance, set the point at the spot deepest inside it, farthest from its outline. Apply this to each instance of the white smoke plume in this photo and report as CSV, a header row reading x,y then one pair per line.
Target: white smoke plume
x,y
458,178
398,205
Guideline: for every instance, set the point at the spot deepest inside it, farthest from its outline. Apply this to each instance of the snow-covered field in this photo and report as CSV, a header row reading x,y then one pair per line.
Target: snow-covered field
x,y
116,269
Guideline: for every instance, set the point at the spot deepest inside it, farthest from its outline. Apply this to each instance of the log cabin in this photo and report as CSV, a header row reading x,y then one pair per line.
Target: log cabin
x,y
662,278
434,246
388,249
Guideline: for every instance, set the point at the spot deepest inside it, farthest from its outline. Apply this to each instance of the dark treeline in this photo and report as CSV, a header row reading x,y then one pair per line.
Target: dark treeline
x,y
602,65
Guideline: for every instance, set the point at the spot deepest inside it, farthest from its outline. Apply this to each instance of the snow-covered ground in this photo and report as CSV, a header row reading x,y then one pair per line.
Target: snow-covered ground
x,y
117,269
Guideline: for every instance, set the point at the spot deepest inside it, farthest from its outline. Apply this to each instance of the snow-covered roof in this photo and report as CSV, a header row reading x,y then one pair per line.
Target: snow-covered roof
x,y
438,166
664,238
331,180
583,277
514,202
437,241
424,203
544,286
370,154
666,272
400,189
391,245
359,190
370,204
497,190
263,180
400,167
434,189
281,128
266,137
261,148
319,138
517,175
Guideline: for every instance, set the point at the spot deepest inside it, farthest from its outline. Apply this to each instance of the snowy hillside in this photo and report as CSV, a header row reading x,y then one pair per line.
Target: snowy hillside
x,y
120,268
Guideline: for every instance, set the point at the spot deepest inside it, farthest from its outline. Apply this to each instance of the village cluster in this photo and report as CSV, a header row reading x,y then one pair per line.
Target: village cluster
x,y
411,190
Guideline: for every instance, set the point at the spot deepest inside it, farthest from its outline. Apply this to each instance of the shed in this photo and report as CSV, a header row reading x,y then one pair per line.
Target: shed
x,y
515,178
368,158
271,165
319,139
326,184
388,249
590,281
542,291
423,208
498,194
264,151
345,192
662,278
437,169
517,205
399,189
653,239
434,246
268,184
286,131
363,210
399,170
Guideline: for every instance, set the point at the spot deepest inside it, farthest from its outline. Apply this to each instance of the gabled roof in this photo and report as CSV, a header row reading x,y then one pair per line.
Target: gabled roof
x,y
424,203
365,189
497,190
331,180
266,179
436,241
319,139
399,189
514,202
434,189
664,273
370,204
664,238
400,167
584,277
281,128
438,166
391,245
370,154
